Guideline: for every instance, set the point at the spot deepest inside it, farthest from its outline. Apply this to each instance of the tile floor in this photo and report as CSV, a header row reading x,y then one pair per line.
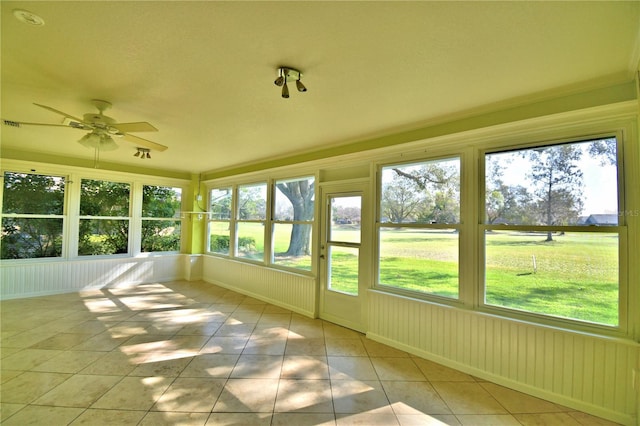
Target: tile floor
x,y
185,353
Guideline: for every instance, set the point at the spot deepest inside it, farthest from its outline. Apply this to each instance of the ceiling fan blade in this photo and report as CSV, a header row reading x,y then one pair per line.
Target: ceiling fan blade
x,y
59,112
141,126
143,142
12,123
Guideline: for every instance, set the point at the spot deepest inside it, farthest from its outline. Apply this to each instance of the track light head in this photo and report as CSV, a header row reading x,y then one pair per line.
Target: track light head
x,y
279,81
285,90
300,86
137,154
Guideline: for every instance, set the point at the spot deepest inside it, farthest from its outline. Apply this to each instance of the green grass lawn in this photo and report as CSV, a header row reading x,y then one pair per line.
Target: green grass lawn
x,y
575,276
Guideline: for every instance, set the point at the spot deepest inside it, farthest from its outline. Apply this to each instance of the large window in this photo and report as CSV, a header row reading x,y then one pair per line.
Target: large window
x,y
418,227
551,234
220,204
104,217
264,222
251,218
292,222
161,207
32,215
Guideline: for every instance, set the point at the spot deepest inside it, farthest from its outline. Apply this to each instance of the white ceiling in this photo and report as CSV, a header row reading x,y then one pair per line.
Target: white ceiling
x,y
203,72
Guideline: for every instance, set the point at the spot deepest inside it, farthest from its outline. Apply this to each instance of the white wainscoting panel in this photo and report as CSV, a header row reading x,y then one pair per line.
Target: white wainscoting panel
x,y
28,279
289,290
585,372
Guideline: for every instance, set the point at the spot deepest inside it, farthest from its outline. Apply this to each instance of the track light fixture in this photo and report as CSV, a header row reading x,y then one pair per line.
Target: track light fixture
x,y
142,153
286,74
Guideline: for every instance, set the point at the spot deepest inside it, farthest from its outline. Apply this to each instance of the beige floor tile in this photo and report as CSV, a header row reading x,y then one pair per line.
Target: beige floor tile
x,y
104,342
247,396
235,330
303,419
488,420
435,372
38,415
6,375
427,420
162,364
333,331
304,330
258,367
94,417
190,394
194,353
134,393
403,369
517,402
313,346
305,367
373,418
204,329
414,398
25,339
345,347
351,367
78,391
589,420
170,419
280,319
5,352
375,349
544,419
69,362
239,419
225,345
61,341
27,359
265,345
358,396
8,409
29,386
468,398
113,363
211,365
304,396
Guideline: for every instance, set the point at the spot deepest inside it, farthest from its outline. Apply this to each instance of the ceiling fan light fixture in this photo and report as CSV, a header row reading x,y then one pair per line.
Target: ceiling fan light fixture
x,y
28,17
99,141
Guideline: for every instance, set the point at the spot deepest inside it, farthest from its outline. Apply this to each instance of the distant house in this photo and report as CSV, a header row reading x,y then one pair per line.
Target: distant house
x,y
601,219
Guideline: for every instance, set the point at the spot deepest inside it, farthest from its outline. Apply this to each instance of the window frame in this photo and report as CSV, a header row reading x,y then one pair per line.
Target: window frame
x,y
64,253
438,155
274,222
620,229
132,230
230,221
178,218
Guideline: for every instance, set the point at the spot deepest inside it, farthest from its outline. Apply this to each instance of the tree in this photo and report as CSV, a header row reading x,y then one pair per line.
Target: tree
x,y
430,191
31,237
301,195
557,180
400,200
101,199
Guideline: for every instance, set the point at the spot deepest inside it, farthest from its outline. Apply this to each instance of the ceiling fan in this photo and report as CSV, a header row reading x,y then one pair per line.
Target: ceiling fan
x,y
101,128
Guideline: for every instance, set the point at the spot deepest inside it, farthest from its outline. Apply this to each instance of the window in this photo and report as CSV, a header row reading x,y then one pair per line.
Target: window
x,y
220,220
250,225
551,231
161,207
32,215
104,217
292,222
418,227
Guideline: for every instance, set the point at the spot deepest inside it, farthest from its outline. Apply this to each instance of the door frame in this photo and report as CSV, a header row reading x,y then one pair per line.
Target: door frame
x,y
346,188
